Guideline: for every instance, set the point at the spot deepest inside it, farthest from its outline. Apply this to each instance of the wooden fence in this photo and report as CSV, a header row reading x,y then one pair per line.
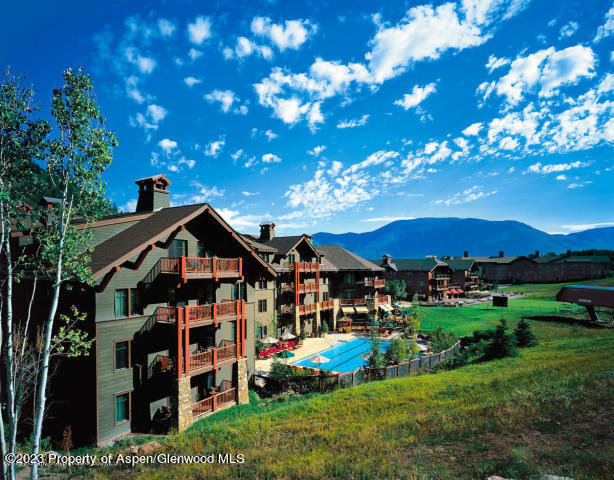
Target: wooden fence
x,y
328,382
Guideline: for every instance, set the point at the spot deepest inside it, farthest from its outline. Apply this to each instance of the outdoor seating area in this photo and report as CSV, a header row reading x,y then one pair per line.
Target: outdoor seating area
x,y
280,348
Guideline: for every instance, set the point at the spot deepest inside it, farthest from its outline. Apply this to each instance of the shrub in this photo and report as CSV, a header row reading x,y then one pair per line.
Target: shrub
x,y
324,327
279,370
523,335
396,352
397,289
441,340
376,359
413,349
501,345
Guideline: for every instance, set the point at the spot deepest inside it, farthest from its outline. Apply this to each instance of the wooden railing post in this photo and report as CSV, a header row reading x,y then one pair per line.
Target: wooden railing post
x,y
214,401
214,313
186,310
243,339
179,315
241,267
184,277
214,267
238,328
215,359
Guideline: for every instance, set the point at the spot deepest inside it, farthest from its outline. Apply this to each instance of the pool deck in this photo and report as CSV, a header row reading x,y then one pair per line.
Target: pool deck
x,y
312,346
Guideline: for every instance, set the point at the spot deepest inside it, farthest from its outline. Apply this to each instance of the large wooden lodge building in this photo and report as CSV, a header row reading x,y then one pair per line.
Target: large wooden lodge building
x,y
178,301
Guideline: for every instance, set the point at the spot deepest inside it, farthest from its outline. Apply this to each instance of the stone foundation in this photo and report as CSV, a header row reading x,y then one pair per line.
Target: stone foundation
x,y
184,404
242,393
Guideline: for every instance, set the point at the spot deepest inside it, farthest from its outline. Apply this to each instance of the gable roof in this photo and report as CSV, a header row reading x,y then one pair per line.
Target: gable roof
x,y
572,259
414,264
343,259
133,240
460,263
501,260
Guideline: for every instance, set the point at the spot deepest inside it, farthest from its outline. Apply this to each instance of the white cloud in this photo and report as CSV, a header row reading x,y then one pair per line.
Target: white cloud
x,y
205,194
468,195
292,34
417,96
577,185
494,63
146,65
238,221
544,72
607,28
213,148
129,206
555,167
249,194
424,33
194,54
376,158
472,129
568,30
561,177
270,158
244,47
356,122
225,97
191,81
200,30
166,27
587,226
317,150
167,145
153,115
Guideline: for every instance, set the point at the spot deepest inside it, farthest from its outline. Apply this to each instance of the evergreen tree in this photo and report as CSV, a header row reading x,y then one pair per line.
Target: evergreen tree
x,y
501,345
396,352
376,359
523,334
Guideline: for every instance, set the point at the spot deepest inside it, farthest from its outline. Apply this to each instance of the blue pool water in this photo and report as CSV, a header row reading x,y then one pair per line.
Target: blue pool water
x,y
343,356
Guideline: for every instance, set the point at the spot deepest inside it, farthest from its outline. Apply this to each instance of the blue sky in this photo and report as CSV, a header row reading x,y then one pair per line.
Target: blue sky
x,y
341,116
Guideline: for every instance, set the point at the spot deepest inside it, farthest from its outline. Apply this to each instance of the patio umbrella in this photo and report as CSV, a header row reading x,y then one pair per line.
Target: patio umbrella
x,y
387,314
286,354
374,324
388,325
268,339
319,359
288,336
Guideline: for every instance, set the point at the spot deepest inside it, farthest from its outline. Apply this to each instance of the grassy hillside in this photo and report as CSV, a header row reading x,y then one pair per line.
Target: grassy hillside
x,y
548,411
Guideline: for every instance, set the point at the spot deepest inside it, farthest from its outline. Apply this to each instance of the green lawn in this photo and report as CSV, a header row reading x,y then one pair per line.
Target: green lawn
x,y
549,290
547,411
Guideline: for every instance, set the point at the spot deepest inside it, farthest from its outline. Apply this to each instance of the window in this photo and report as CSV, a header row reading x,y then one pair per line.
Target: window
x,y
262,284
292,258
324,296
178,248
262,331
261,306
121,303
201,250
348,278
348,294
122,355
265,257
238,291
127,303
122,408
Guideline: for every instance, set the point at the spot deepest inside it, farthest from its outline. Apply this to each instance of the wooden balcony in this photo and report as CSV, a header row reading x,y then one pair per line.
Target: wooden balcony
x,y
326,305
187,268
196,316
307,309
309,267
375,283
212,359
214,402
160,365
302,288
353,301
382,298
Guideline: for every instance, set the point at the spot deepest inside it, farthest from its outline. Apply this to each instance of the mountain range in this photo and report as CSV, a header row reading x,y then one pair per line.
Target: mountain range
x,y
453,236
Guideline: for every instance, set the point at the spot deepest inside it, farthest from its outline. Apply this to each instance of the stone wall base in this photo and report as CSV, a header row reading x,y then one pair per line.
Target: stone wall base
x,y
184,404
242,391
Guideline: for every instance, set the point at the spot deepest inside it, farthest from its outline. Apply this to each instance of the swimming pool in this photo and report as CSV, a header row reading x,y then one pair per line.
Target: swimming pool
x,y
343,356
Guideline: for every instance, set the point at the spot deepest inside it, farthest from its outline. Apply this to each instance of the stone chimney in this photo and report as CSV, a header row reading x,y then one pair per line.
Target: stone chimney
x,y
500,253
387,259
267,231
569,253
466,253
153,193
537,253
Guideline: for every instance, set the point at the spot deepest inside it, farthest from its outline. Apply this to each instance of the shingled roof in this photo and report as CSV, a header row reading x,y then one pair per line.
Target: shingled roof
x,y
460,263
343,259
572,259
130,242
414,264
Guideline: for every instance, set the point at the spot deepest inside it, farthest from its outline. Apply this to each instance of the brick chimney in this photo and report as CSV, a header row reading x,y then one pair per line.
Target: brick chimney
x,y
153,193
500,253
387,259
267,231
537,253
466,253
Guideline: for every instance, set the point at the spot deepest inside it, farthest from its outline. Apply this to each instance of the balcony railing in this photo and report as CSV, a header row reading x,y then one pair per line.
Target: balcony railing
x,y
326,305
187,267
286,308
441,277
307,309
212,357
211,313
214,402
382,298
159,365
302,287
352,301
375,283
303,266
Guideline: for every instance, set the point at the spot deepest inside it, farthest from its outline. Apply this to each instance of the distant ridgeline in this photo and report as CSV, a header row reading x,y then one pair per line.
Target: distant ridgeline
x,y
454,236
